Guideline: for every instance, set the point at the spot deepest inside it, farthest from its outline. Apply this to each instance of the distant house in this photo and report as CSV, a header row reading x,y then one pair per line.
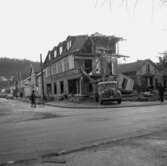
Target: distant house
x,y
145,73
32,82
63,64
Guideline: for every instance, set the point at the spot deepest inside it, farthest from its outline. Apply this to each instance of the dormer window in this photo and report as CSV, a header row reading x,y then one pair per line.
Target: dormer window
x,y
49,57
147,68
60,50
55,53
68,44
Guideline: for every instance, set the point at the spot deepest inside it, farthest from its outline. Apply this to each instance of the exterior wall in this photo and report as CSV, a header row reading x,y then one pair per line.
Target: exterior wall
x,y
65,77
125,82
109,65
60,77
63,65
54,74
27,91
147,76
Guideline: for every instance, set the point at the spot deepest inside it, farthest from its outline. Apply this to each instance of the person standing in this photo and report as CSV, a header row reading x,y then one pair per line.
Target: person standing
x,y
161,90
33,98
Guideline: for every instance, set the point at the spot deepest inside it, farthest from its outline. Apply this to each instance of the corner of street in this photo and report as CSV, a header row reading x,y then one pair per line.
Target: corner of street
x,y
72,134
95,105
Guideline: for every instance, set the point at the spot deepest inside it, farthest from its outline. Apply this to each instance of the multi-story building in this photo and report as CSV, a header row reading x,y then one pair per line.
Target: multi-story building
x,y
63,64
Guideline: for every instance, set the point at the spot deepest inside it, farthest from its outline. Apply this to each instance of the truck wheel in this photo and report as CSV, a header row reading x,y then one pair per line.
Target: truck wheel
x,y
97,98
119,101
100,101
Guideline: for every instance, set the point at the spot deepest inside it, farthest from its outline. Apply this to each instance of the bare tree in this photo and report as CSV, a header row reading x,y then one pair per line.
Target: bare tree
x,y
126,3
163,60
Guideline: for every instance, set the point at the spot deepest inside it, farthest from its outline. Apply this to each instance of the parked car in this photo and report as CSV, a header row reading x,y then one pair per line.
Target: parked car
x,y
9,96
108,91
2,95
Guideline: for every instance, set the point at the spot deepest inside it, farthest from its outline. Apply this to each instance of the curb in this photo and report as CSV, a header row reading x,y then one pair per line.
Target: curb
x,y
136,135
103,107
97,144
76,149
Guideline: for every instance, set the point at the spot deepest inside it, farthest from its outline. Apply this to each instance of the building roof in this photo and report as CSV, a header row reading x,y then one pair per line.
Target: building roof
x,y
133,67
78,42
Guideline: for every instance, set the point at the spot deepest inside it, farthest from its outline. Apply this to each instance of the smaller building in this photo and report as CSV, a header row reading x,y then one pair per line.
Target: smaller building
x,y
145,74
32,82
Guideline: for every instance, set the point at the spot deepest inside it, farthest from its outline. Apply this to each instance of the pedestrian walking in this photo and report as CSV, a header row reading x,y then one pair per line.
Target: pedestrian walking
x,y
32,99
161,90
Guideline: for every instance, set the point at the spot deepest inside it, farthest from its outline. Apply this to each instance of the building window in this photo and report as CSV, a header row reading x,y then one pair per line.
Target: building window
x,y
165,83
88,65
49,89
55,69
55,53
148,68
61,87
156,82
60,50
71,61
59,67
47,72
49,57
55,88
44,73
51,71
73,86
90,87
66,64
68,44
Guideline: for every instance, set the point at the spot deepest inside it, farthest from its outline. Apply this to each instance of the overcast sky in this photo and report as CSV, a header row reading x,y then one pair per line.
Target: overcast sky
x,y
31,27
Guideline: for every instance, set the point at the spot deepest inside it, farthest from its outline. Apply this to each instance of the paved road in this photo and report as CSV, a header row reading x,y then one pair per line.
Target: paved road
x,y
29,133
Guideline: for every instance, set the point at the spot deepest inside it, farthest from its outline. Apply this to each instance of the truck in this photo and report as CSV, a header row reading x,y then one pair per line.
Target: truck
x,y
108,91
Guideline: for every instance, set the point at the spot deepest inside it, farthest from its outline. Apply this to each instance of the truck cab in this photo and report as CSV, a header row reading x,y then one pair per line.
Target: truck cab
x,y
108,91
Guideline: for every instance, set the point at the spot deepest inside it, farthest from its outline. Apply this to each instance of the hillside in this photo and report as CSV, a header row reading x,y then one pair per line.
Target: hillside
x,y
10,67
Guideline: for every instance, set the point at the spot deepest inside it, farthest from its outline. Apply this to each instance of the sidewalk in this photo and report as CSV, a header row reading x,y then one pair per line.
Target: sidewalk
x,y
95,105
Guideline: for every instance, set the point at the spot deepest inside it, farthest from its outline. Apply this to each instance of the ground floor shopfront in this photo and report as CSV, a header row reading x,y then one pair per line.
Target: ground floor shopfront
x,y
67,84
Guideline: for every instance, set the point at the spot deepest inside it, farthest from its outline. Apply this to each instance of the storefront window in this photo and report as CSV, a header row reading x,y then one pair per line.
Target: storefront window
x,y
61,87
55,88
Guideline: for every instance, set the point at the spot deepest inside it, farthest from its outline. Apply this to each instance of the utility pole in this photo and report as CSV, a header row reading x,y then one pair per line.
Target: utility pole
x,y
110,69
42,79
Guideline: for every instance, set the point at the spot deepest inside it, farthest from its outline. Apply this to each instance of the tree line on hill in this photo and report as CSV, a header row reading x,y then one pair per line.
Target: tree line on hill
x,y
9,68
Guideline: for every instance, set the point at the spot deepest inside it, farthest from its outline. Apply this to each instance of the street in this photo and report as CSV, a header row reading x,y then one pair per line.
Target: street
x,y
27,132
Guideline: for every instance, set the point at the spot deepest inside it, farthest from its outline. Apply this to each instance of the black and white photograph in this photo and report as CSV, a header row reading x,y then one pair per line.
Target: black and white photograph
x,y
83,82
